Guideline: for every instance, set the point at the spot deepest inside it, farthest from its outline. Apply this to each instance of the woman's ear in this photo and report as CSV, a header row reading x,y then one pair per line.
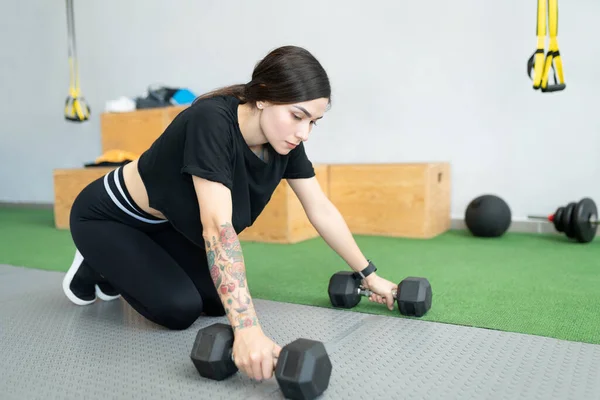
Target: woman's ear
x,y
261,105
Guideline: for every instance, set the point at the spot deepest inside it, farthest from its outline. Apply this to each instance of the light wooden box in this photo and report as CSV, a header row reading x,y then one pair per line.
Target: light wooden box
x,y
135,131
410,200
400,200
68,183
283,220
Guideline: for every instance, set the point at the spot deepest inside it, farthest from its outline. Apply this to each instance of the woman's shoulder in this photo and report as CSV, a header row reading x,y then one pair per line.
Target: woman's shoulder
x,y
217,110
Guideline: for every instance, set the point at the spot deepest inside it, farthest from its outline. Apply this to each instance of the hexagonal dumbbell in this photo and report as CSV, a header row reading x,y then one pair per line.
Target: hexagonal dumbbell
x,y
302,371
413,294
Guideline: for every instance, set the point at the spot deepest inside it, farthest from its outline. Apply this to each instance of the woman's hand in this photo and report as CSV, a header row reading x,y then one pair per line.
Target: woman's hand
x,y
254,353
382,290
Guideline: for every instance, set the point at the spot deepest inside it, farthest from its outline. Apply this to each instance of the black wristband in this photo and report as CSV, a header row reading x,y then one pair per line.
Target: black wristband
x,y
368,270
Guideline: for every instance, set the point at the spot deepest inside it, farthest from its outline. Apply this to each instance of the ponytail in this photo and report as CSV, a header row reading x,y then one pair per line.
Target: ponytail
x,y
238,91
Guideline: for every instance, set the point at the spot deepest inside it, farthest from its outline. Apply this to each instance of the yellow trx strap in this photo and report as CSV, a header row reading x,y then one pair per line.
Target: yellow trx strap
x,y
76,108
536,62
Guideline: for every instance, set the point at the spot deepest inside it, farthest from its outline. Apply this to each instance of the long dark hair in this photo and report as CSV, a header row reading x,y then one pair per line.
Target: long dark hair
x,y
288,74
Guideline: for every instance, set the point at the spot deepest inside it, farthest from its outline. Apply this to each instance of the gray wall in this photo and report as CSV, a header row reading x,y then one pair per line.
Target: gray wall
x,y
411,83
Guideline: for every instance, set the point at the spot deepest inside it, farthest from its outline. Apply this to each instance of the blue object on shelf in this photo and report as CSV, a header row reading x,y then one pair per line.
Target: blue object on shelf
x,y
183,96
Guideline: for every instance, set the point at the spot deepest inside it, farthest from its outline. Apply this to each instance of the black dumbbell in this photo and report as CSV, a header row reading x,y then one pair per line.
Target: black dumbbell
x,y
412,294
578,221
303,368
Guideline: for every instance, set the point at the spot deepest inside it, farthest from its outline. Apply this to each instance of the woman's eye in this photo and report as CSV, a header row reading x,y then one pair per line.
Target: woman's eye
x,y
300,118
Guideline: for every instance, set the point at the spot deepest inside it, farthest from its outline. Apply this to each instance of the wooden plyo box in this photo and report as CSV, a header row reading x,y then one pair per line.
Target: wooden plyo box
x,y
399,200
135,131
68,183
283,220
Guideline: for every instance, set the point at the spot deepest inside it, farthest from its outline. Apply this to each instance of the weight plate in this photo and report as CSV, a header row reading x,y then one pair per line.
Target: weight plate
x,y
557,219
581,222
566,220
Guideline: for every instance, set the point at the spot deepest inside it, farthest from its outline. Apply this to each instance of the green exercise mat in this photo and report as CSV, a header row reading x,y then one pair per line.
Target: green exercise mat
x,y
527,283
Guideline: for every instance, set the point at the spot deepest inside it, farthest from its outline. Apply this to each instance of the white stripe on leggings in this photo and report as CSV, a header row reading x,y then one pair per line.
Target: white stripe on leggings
x,y
118,185
125,210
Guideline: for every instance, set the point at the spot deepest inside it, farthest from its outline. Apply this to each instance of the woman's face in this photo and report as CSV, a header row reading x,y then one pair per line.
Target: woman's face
x,y
285,126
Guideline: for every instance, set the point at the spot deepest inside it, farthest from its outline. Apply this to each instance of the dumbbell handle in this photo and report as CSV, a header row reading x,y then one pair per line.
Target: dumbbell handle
x,y
368,293
550,218
233,358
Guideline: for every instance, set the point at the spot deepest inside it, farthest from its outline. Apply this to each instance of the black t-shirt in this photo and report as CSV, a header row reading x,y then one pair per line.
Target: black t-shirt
x,y
205,140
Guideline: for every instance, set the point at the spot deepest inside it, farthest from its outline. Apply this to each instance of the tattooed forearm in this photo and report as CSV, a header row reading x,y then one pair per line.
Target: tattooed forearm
x,y
228,272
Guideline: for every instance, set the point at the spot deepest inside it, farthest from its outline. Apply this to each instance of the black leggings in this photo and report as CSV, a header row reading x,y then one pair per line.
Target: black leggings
x,y
159,272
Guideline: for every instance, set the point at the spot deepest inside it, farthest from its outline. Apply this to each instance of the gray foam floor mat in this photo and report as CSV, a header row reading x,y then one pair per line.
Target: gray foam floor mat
x,y
52,349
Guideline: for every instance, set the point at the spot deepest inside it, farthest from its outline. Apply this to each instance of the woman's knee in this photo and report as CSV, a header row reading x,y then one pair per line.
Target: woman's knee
x,y
179,312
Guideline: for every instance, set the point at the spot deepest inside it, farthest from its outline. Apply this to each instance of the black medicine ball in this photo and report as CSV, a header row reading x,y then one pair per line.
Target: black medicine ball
x,y
488,216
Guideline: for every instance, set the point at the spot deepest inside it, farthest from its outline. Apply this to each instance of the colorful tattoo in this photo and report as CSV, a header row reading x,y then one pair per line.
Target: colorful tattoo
x,y
228,272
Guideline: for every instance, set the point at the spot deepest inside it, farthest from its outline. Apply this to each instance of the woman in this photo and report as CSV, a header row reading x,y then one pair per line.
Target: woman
x,y
162,230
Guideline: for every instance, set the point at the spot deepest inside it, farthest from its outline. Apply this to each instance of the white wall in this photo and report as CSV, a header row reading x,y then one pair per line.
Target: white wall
x,y
411,82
